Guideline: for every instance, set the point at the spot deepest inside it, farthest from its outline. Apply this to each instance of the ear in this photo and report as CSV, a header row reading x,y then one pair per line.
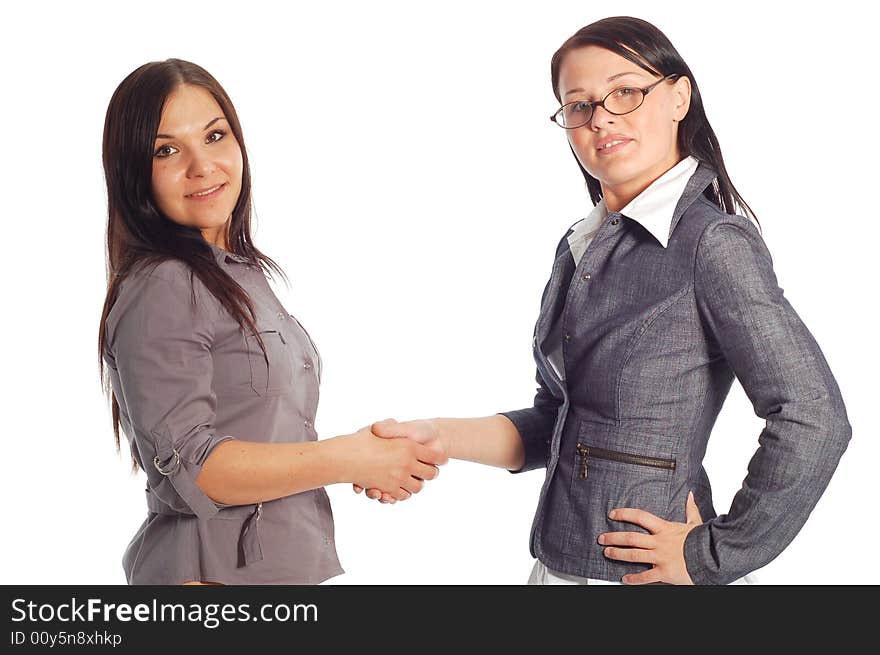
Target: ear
x,y
681,93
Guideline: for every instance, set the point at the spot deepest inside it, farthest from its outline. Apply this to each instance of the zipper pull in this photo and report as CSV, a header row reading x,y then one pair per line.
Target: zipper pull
x,y
585,453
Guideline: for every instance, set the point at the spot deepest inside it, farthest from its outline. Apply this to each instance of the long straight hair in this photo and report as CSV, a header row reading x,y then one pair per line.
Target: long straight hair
x,y
654,53
138,233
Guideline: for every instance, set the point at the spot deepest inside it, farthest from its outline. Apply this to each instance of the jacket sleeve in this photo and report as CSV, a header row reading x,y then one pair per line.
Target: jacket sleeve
x,y
790,385
535,426
160,333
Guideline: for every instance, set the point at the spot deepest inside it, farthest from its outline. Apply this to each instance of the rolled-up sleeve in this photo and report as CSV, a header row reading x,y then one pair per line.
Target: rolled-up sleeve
x,y
787,379
160,332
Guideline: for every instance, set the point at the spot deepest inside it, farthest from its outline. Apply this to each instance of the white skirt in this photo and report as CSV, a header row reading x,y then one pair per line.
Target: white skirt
x,y
542,575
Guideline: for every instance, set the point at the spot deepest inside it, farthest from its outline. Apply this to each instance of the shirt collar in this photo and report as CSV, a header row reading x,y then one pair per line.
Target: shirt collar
x,y
222,255
654,207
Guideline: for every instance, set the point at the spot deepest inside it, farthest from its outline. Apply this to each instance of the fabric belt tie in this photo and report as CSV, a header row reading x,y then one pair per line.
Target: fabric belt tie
x,y
249,542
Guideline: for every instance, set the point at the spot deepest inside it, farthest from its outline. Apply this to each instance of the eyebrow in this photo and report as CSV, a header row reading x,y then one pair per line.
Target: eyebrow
x,y
610,79
168,136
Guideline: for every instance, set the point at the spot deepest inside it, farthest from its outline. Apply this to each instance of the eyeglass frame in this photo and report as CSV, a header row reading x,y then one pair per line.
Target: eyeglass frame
x,y
601,103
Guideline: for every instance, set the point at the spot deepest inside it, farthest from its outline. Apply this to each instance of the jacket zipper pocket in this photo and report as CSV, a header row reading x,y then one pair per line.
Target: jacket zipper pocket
x,y
641,460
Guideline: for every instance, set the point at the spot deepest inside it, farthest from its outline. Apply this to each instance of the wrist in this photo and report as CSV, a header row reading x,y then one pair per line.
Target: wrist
x,y
341,462
442,435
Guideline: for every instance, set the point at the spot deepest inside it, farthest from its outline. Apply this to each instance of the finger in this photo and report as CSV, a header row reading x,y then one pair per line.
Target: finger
x,y
426,471
374,494
387,429
631,539
631,555
691,511
357,488
413,485
388,498
430,455
646,577
400,493
640,517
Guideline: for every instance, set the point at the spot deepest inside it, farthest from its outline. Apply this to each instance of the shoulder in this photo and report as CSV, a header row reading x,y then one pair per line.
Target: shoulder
x,y
732,260
172,277
729,235
166,288
170,271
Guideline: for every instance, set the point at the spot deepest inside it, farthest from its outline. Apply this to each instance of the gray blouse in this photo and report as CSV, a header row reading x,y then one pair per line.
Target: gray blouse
x,y
188,378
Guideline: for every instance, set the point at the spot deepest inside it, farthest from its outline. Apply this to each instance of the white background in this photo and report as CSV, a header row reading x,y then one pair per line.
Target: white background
x,y
418,234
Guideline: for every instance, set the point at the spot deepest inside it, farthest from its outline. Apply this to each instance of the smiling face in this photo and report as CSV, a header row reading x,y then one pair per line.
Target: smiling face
x,y
649,135
195,151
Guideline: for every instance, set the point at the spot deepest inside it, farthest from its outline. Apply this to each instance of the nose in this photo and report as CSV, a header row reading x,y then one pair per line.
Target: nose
x,y
200,165
600,118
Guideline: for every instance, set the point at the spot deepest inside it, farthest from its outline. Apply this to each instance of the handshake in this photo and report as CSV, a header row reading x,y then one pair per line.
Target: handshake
x,y
396,458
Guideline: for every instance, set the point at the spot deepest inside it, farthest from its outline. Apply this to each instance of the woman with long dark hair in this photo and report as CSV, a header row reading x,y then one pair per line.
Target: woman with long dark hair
x,y
656,300
213,381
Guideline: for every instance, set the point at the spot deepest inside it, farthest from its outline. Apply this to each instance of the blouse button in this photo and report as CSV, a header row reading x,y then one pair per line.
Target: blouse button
x,y
615,221
281,314
307,423
586,277
568,337
307,366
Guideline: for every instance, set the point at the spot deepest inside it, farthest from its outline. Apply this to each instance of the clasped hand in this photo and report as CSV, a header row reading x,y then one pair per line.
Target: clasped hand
x,y
394,468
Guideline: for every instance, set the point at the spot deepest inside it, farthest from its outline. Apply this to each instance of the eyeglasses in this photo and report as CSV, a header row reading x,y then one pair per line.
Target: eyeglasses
x,y
618,102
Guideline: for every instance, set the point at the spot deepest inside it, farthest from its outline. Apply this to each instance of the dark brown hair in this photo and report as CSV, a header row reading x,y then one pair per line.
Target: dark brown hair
x,y
138,234
647,47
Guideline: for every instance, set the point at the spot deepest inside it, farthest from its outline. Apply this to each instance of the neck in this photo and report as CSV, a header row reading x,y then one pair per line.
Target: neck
x,y
219,236
620,195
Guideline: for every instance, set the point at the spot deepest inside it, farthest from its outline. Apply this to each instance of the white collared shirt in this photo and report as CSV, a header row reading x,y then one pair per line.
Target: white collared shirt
x,y
652,208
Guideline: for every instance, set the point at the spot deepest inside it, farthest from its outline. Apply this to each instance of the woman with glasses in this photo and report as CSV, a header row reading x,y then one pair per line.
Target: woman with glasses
x,y
214,383
656,300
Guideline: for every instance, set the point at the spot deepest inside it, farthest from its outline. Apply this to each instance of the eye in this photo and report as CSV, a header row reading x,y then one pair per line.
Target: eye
x,y
624,92
581,105
160,150
222,133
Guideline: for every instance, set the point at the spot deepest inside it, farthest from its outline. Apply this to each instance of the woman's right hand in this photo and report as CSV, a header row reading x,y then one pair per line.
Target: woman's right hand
x,y
396,467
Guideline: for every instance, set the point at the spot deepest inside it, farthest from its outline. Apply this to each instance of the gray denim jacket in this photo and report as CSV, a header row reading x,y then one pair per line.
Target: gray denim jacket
x,y
652,339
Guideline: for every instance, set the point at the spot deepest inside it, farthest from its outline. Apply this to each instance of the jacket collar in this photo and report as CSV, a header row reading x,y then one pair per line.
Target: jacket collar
x,y
702,177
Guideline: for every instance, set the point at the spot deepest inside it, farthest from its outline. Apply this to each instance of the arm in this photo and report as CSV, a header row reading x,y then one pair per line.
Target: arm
x,y
790,385
160,343
490,440
243,472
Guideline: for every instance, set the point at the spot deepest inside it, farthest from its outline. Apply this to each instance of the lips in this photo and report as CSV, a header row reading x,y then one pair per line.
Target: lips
x,y
207,191
602,145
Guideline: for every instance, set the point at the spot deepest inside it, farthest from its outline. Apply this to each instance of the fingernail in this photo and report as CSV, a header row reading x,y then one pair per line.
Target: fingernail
x,y
601,538
611,514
